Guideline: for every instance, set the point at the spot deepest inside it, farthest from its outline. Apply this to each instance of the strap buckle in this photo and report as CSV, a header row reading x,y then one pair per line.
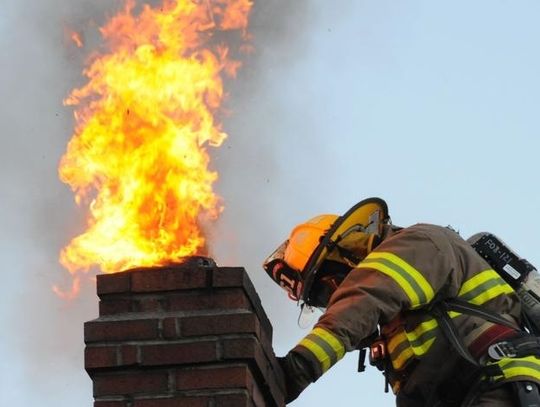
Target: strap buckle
x,y
501,350
377,354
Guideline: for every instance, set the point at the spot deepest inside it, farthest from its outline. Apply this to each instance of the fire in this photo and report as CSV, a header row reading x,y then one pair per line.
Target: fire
x,y
138,159
76,38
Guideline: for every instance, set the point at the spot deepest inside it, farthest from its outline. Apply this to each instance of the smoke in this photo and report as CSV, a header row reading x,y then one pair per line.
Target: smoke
x,y
253,180
43,351
42,347
248,159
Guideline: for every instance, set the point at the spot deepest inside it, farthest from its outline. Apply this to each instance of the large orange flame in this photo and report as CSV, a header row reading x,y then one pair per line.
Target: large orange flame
x,y
138,157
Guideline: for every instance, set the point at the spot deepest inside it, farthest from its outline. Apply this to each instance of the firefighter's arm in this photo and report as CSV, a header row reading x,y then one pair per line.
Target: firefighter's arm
x,y
328,342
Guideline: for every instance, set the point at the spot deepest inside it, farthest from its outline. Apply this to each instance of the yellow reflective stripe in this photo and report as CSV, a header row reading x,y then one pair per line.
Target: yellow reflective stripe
x,y
422,337
413,283
522,371
330,339
326,347
411,293
396,340
475,281
399,361
514,367
404,345
423,347
319,353
483,287
491,293
400,350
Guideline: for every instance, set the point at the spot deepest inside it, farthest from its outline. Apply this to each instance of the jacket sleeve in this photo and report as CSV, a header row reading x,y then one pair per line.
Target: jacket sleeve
x,y
404,272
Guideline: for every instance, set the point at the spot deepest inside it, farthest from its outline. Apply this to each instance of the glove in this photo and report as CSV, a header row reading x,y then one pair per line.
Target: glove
x,y
296,373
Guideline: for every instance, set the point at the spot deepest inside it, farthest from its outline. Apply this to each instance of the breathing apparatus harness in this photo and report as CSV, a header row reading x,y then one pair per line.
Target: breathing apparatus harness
x,y
525,280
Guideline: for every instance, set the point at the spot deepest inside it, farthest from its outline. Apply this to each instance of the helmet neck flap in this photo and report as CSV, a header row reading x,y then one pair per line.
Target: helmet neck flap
x,y
350,239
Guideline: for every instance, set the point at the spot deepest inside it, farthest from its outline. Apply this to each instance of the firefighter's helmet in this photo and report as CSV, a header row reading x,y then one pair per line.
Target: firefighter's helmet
x,y
340,242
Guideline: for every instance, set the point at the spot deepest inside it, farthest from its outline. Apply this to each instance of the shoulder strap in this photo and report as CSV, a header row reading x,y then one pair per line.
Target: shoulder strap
x,y
440,312
464,307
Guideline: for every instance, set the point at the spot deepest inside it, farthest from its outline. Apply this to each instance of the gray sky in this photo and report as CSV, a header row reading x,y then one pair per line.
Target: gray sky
x,y
430,105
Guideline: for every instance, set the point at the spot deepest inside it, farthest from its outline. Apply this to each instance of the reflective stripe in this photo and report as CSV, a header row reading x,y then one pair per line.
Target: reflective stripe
x,y
423,336
400,350
484,287
319,353
326,347
515,367
411,281
396,341
332,340
475,281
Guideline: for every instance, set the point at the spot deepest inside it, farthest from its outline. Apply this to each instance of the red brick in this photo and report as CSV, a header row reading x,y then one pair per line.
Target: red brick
x,y
114,306
100,356
180,353
257,397
130,383
166,279
245,322
229,277
225,298
241,348
148,304
170,328
129,355
113,283
226,376
249,348
110,404
95,331
237,277
173,402
233,400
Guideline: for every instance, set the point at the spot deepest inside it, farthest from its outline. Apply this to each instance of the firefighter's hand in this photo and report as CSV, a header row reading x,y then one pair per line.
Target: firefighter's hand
x,y
296,374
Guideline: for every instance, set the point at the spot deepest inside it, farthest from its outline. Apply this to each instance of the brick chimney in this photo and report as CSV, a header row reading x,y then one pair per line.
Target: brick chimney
x,y
188,335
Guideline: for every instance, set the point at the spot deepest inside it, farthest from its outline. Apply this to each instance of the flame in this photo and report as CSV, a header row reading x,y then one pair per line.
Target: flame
x,y
138,159
76,38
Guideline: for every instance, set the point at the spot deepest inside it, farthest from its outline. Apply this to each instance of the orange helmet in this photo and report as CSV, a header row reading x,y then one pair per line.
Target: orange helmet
x,y
305,238
346,239
287,263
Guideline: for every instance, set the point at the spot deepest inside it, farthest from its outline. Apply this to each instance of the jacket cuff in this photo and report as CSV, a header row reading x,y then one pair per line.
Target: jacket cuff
x,y
321,349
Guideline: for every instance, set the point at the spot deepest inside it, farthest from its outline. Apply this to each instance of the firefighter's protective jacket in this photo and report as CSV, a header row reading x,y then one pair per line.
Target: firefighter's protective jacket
x,y
406,272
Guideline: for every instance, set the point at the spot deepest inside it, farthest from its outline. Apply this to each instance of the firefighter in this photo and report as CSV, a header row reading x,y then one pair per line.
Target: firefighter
x,y
394,291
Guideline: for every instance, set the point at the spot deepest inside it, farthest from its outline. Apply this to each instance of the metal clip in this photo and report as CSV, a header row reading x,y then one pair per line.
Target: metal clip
x,y
501,350
377,354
